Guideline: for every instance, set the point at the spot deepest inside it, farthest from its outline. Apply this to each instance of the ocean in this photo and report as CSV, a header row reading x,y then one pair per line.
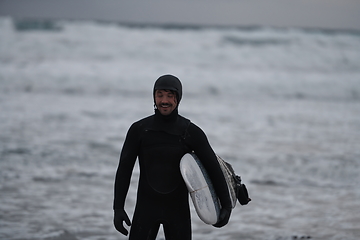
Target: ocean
x,y
282,105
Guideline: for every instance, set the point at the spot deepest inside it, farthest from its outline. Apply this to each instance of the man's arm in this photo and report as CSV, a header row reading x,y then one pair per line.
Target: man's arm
x,y
198,141
127,160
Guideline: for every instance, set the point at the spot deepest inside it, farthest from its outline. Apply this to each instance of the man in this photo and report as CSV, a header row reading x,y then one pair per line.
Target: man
x,y
159,142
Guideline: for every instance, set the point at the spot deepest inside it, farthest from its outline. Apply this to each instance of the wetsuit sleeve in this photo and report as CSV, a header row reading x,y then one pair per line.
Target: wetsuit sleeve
x,y
127,160
199,143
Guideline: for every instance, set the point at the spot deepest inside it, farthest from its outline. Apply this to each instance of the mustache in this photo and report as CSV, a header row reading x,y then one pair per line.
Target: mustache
x,y
165,104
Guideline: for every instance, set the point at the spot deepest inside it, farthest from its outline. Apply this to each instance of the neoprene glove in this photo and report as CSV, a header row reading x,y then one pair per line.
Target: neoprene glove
x,y
119,217
223,218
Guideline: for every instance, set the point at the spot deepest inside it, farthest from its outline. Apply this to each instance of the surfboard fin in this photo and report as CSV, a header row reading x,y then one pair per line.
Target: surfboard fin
x,y
241,192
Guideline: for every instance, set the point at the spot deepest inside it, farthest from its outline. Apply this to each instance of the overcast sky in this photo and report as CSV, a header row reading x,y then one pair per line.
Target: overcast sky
x,y
335,14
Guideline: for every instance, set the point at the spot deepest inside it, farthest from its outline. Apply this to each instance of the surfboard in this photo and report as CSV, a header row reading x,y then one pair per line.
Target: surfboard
x,y
202,192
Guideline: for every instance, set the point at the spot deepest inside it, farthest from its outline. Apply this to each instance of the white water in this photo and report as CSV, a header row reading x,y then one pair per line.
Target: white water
x,y
281,105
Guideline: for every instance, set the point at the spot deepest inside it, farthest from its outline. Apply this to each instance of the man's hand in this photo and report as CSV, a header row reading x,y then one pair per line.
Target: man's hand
x,y
223,218
119,217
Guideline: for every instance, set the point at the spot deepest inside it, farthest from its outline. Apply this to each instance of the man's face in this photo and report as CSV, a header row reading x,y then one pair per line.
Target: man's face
x,y
165,101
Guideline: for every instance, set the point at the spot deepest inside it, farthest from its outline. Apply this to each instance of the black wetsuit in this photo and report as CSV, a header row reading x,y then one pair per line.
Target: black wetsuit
x,y
159,142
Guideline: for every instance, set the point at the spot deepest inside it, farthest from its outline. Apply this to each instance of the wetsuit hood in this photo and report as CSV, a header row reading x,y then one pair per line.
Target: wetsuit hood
x,y
169,82
171,123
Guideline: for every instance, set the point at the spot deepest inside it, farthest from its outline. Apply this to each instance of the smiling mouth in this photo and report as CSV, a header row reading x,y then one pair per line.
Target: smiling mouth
x,y
165,105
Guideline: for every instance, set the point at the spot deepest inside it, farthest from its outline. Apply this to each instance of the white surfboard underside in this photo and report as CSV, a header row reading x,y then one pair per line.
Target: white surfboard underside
x,y
200,188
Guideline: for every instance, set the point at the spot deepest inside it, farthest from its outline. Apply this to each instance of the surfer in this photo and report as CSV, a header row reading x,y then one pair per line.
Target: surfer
x,y
159,141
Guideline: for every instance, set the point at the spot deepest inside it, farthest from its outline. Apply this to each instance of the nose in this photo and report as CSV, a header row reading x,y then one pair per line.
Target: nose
x,y
165,99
